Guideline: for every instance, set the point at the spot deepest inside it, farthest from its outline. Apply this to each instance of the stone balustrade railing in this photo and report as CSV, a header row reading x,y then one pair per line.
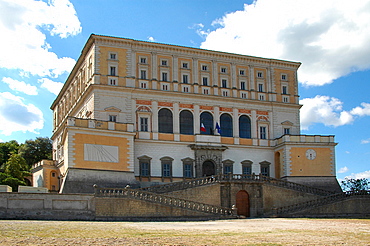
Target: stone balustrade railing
x,y
164,200
174,186
316,202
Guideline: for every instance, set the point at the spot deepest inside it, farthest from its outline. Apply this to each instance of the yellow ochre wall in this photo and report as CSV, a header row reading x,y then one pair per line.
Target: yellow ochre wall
x,y
123,152
104,61
320,166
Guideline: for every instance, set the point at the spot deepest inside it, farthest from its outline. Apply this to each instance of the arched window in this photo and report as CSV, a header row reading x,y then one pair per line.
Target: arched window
x,y
226,125
244,127
165,122
186,122
207,120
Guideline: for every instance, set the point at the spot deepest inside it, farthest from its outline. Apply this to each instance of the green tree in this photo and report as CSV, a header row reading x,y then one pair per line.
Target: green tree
x,y
36,150
15,170
6,149
355,184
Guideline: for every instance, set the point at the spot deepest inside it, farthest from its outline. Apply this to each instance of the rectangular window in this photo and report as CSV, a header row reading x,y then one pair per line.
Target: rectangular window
x,y
205,81
223,70
241,72
143,85
247,170
286,131
112,71
185,78
205,91
166,172
225,94
260,87
164,87
224,83
283,77
259,75
263,132
143,124
285,90
113,118
164,62
242,85
112,56
244,95
228,169
285,99
143,60
188,172
204,68
185,89
265,171
262,97
185,65
164,76
144,169
142,74
112,81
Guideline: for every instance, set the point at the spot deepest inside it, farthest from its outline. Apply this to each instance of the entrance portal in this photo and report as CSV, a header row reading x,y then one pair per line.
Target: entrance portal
x,y
208,168
242,203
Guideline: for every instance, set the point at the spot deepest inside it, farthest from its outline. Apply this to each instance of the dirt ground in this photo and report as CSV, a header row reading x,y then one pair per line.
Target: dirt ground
x,y
223,232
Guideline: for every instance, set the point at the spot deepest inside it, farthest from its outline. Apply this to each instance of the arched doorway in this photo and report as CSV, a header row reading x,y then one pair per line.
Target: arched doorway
x,y
242,203
208,168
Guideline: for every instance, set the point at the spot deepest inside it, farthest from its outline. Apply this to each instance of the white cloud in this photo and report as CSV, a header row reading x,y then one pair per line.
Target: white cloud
x,y
361,175
15,115
52,86
343,170
329,37
23,45
20,86
151,39
365,141
362,111
325,110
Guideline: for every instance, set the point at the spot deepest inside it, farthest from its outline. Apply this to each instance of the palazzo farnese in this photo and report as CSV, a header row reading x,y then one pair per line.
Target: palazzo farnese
x,y
143,113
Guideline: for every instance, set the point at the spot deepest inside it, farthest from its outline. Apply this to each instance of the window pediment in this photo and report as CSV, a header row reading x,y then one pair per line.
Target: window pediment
x,y
287,123
112,109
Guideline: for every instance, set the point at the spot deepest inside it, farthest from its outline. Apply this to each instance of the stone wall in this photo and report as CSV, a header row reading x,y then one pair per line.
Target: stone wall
x,y
46,206
123,208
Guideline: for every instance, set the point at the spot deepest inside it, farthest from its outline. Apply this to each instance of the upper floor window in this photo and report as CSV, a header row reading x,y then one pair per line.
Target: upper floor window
x,y
164,62
286,131
205,81
143,60
142,74
112,71
224,83
283,77
223,70
206,119
241,72
204,67
244,127
263,134
113,118
185,65
185,78
285,90
259,74
242,85
112,56
144,124
112,81
260,87
226,125
165,121
164,76
186,122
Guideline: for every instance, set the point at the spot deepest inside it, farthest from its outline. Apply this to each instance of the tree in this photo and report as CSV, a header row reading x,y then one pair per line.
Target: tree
x,y
355,184
6,149
15,170
34,151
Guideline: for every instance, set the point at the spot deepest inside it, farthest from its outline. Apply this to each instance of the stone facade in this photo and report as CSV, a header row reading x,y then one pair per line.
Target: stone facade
x,y
137,109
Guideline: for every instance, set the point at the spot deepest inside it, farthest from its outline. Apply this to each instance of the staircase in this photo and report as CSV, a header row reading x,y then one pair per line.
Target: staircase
x,y
287,210
164,200
175,186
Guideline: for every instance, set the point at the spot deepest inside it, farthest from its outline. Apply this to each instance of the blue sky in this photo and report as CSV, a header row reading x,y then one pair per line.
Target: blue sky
x,y
42,39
